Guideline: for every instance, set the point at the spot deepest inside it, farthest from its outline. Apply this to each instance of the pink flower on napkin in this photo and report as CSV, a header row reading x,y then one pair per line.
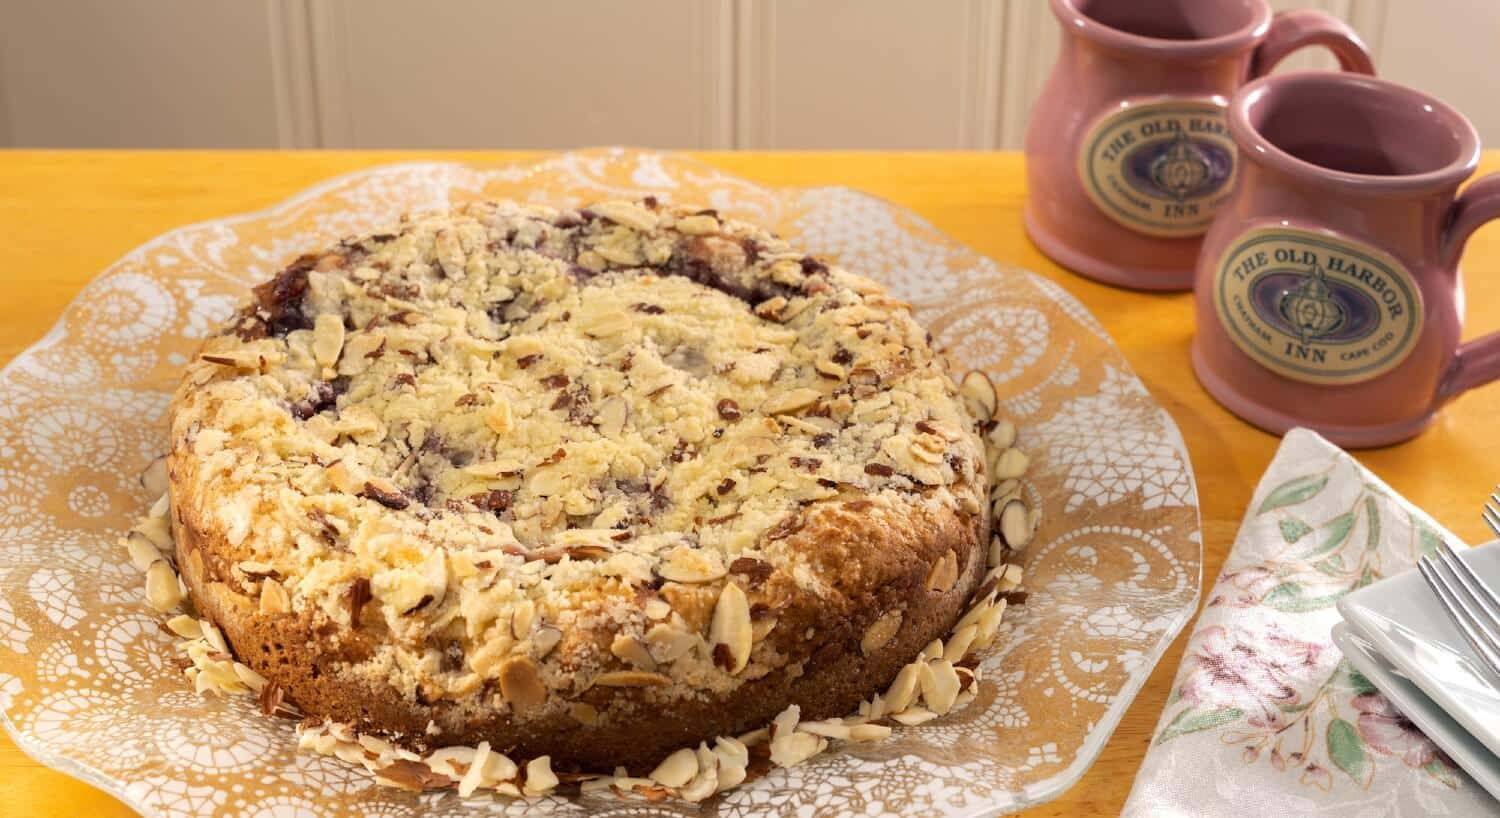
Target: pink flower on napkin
x,y
1388,732
1254,672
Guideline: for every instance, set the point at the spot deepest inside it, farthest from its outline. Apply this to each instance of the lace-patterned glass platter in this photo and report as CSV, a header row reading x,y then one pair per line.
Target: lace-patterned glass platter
x,y
88,677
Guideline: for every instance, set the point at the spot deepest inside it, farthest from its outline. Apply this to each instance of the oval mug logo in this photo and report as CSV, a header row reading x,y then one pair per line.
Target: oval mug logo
x,y
1160,168
1316,308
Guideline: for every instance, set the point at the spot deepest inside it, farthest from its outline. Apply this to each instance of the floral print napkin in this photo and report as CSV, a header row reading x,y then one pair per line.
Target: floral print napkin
x,y
1265,716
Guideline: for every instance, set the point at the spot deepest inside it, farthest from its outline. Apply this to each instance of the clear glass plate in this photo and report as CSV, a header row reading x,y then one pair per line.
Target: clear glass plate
x,y
88,680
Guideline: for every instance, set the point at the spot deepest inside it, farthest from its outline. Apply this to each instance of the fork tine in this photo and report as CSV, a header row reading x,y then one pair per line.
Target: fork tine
x,y
1455,609
1491,515
1469,581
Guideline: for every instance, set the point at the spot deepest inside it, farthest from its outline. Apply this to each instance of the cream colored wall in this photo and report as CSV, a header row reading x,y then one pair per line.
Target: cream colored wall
x,y
668,73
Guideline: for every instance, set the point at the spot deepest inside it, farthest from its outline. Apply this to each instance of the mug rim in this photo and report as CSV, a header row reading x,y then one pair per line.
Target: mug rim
x,y
1075,21
1255,147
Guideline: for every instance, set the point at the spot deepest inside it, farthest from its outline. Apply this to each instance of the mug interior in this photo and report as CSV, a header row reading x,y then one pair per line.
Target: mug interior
x,y
1360,127
1172,19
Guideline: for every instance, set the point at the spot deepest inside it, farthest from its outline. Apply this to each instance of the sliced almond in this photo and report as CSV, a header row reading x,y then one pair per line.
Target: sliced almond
x,y
731,627
154,479
791,748
185,626
771,308
273,597
657,608
869,732
632,650
162,589
249,677
668,643
474,776
141,551
978,392
706,781
453,761
213,636
903,688
913,716
1003,436
831,369
1015,524
631,678
959,643
827,728
1010,464
545,639
790,401
344,477
880,632
698,225
920,451
521,617
328,339
256,568
1010,578
733,759
540,779
761,627
997,550
156,527
944,573
1004,490
521,683
731,751
940,686
605,324
498,418
611,417
972,615
989,623
933,650
677,769
628,214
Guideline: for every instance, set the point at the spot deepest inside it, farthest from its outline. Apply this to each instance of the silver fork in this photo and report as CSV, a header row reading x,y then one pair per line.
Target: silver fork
x,y
1472,605
1491,513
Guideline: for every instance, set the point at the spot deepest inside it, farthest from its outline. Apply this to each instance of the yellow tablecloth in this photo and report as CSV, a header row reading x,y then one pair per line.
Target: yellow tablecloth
x,y
65,215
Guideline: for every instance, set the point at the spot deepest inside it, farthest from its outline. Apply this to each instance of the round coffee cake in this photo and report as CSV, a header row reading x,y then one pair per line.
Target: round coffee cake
x,y
595,484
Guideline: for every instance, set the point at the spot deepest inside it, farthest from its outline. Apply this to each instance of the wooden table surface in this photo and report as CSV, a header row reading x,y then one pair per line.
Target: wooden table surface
x,y
66,215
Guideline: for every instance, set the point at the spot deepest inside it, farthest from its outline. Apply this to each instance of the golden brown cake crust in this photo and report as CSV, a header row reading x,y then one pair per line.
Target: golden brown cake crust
x,y
596,616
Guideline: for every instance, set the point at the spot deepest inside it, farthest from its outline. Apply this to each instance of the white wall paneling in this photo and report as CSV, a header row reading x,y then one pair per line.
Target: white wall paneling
x,y
666,73
476,73
99,73
868,73
293,74
1450,49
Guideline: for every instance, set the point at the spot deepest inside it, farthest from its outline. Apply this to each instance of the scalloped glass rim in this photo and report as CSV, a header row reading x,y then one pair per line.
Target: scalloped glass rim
x,y
917,246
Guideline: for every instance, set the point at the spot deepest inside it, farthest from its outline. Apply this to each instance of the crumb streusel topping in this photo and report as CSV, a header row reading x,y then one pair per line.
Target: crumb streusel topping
x,y
552,450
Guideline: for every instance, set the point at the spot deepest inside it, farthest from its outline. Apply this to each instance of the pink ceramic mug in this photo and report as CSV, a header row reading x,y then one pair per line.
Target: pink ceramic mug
x,y
1127,154
1328,293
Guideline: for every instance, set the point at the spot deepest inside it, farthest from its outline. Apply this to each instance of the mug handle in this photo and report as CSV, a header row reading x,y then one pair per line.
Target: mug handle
x,y
1291,30
1476,362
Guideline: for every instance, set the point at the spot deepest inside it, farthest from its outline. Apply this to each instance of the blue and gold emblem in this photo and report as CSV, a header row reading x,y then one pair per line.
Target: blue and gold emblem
x,y
1161,168
1182,170
1311,309
1315,307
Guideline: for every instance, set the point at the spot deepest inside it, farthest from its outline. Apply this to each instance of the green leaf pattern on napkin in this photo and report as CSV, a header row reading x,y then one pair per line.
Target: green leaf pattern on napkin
x,y
1261,680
